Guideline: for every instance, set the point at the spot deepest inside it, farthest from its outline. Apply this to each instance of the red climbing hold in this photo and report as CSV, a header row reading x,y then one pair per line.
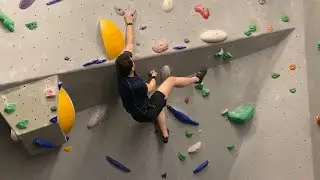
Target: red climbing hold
x,y
205,12
186,100
50,93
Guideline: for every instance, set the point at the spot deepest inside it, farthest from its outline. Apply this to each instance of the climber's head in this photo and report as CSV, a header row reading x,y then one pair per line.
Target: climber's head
x,y
125,65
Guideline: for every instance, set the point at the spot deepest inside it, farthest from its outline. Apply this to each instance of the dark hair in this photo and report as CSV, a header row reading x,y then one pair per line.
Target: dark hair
x,y
124,65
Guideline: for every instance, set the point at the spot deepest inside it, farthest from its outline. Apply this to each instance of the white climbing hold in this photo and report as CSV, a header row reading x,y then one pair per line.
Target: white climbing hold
x,y
167,5
194,148
14,136
213,36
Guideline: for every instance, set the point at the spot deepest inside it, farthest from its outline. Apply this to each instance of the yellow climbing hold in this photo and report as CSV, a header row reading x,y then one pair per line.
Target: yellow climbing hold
x,y
66,112
67,148
112,38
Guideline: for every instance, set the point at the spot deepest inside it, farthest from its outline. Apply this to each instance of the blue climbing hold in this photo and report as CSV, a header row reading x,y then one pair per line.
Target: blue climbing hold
x,y
53,2
182,117
54,120
201,167
96,61
117,164
59,85
43,143
179,47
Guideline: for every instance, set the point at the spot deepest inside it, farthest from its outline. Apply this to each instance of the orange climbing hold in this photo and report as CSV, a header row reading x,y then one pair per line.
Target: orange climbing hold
x,y
318,118
270,28
67,148
292,67
112,38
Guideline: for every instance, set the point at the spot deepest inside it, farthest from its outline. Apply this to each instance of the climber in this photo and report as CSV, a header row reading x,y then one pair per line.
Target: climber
x,y
134,91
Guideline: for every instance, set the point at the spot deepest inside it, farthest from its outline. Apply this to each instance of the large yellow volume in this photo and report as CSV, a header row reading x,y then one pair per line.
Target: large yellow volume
x,y
66,112
112,38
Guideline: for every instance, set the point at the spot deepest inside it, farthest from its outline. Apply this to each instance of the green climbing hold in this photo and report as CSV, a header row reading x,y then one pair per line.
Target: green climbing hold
x,y
199,86
252,28
242,114
32,25
182,156
227,56
23,124
6,21
10,108
188,133
284,18
318,44
205,92
293,90
275,75
230,147
220,53
247,33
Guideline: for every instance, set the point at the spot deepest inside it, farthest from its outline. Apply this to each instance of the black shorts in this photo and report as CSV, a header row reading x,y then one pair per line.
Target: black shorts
x,y
156,103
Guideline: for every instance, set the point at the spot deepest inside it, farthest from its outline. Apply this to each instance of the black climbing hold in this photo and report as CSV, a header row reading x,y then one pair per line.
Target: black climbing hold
x,y
164,175
143,27
67,138
66,58
186,40
53,109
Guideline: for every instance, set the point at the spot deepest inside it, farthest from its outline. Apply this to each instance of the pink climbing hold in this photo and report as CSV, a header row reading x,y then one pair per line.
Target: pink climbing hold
x,y
51,93
205,12
160,46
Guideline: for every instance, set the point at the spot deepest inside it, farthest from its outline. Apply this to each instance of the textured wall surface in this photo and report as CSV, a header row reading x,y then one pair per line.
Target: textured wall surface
x,y
312,55
275,145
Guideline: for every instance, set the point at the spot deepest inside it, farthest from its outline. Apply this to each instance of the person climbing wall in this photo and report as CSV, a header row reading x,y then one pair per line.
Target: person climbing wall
x,y
134,91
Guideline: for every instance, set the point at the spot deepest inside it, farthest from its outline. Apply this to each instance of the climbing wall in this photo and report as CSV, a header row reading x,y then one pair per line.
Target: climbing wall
x,y
31,105
275,145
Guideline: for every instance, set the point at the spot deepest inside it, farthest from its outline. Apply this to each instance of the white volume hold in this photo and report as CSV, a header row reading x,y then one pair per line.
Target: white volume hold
x,y
213,36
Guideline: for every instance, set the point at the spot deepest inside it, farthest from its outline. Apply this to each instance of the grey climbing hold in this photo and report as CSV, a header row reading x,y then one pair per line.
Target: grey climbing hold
x,y
186,40
53,109
66,58
164,175
138,43
10,108
143,27
119,11
262,2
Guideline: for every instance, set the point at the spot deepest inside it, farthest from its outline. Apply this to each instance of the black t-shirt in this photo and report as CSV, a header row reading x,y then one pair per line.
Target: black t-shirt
x,y
133,92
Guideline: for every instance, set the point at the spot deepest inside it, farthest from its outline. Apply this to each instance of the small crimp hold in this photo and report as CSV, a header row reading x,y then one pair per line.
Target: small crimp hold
x,y
284,18
188,133
32,25
247,33
252,27
182,156
275,75
50,93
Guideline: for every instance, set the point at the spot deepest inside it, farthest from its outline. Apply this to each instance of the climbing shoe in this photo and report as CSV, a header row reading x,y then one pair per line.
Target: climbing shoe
x,y
201,74
165,73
